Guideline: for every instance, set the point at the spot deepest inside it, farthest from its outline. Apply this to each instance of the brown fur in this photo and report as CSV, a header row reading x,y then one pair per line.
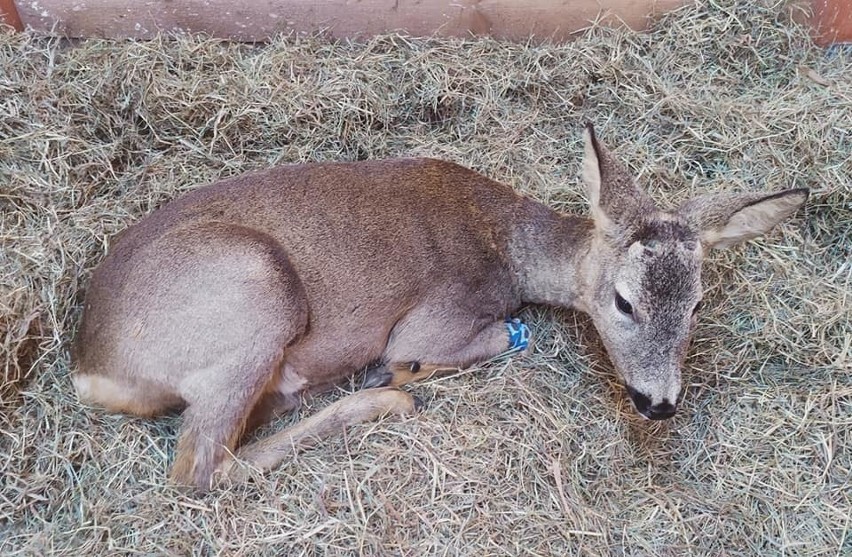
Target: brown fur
x,y
237,298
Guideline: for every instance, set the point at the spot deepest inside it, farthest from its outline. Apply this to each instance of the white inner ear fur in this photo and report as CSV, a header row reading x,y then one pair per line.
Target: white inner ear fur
x,y
592,178
752,221
591,171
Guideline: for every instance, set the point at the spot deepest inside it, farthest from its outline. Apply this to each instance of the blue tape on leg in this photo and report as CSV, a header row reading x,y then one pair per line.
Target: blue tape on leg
x,y
519,335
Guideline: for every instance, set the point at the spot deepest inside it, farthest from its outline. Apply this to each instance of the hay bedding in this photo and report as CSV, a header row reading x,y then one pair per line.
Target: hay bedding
x,y
536,456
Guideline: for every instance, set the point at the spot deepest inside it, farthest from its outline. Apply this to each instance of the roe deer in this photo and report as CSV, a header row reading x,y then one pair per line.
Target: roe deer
x,y
238,298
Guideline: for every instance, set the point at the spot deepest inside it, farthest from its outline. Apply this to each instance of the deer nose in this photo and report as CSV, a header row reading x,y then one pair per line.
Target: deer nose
x,y
660,411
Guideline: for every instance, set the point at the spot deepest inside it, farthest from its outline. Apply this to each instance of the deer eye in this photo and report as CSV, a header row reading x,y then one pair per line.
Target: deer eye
x,y
623,305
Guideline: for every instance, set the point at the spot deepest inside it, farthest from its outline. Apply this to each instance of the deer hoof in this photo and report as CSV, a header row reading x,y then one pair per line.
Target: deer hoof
x,y
378,376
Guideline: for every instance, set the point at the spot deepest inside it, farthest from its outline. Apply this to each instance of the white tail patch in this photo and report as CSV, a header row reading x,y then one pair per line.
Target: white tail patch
x,y
83,386
121,396
102,391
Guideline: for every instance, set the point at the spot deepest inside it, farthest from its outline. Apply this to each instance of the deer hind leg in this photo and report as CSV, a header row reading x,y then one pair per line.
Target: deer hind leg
x,y
356,408
220,405
234,393
412,360
240,312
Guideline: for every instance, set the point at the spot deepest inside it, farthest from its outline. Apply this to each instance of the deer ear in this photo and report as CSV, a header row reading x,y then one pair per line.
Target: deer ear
x,y
613,195
724,220
592,175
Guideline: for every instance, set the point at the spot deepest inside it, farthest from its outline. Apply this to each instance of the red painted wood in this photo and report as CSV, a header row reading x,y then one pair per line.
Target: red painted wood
x,y
832,21
9,14
258,21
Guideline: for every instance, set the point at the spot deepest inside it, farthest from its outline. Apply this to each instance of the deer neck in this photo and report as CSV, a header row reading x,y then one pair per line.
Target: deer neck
x,y
549,251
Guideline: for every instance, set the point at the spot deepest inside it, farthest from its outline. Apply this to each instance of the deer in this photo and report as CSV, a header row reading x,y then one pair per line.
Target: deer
x,y
239,299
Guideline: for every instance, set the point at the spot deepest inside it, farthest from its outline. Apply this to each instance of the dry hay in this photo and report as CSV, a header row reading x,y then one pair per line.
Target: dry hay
x,y
540,455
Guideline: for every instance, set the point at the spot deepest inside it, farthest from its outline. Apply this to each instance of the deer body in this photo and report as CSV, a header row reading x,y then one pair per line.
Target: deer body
x,y
238,298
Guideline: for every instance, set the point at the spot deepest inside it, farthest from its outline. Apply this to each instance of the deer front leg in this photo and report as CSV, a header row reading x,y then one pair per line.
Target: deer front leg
x,y
496,339
356,408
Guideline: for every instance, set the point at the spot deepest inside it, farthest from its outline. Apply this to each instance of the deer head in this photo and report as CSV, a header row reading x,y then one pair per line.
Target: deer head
x,y
643,272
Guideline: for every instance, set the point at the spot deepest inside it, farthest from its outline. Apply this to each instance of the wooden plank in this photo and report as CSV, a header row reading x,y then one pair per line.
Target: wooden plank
x,y
9,15
260,20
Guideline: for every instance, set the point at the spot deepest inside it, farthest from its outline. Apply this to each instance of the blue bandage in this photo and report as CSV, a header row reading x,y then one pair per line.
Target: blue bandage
x,y
519,335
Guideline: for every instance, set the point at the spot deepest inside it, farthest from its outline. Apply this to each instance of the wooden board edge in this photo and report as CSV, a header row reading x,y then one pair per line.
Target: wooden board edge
x,y
9,15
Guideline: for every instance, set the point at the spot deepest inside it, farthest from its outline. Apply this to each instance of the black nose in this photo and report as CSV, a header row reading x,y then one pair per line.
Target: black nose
x,y
661,411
